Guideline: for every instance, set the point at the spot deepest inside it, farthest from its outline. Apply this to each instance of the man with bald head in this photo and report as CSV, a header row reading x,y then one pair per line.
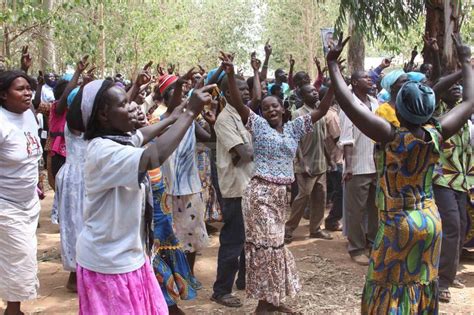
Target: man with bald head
x,y
359,175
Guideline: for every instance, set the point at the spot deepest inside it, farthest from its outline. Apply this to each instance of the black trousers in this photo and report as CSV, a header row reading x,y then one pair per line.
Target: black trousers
x,y
231,256
452,209
335,214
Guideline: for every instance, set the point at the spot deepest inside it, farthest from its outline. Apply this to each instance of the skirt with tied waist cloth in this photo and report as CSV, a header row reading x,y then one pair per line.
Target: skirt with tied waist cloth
x,y
271,271
18,247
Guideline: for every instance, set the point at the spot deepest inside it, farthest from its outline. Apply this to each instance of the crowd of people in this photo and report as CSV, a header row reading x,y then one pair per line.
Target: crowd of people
x,y
139,169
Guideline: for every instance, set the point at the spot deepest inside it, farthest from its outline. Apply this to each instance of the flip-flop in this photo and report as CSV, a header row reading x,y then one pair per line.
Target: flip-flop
x,y
458,284
444,295
227,300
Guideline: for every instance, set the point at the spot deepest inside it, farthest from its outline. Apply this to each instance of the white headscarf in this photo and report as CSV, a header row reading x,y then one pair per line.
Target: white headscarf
x,y
88,97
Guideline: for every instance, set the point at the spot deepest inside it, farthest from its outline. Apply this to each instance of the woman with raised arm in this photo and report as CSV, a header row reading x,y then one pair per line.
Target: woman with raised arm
x,y
403,270
270,266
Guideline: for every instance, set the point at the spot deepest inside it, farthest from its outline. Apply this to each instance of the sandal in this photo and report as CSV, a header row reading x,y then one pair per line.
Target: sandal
x,y
458,284
444,295
227,300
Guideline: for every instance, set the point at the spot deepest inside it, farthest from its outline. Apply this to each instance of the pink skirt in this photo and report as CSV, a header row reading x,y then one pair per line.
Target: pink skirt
x,y
136,292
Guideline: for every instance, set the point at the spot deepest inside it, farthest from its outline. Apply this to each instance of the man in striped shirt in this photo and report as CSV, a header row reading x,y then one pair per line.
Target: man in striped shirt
x,y
359,175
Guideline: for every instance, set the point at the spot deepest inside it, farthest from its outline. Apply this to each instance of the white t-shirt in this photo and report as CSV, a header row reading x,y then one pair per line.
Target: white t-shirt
x,y
112,238
20,151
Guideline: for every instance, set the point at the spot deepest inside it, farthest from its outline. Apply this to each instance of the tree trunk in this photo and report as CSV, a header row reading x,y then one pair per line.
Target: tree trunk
x,y
356,51
102,40
48,54
442,20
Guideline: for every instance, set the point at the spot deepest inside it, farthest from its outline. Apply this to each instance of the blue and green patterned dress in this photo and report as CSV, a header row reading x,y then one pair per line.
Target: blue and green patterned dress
x,y
403,270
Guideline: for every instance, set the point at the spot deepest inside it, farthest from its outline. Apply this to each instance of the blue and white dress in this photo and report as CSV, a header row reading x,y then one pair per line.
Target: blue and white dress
x,y
69,197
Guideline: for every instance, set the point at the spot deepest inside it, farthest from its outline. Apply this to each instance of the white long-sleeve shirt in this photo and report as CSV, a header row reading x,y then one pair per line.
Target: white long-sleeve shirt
x,y
363,147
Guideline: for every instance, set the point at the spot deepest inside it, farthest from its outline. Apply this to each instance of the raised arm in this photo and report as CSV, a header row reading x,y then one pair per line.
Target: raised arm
x,y
320,78
290,73
457,117
370,124
62,102
178,89
268,51
257,87
236,99
432,44
155,130
143,78
318,113
446,82
157,153
37,99
25,61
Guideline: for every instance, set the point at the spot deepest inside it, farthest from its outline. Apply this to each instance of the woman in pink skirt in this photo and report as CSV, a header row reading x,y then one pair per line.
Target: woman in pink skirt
x,y
113,273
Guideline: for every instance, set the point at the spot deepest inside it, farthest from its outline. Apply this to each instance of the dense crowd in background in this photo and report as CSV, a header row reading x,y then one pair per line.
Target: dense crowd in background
x,y
141,167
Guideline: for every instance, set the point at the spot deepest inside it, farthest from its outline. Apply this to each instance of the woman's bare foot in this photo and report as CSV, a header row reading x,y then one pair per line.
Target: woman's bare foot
x,y
13,308
175,310
264,307
72,282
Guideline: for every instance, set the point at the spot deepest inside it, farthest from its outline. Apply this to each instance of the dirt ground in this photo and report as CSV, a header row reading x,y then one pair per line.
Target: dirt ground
x,y
332,284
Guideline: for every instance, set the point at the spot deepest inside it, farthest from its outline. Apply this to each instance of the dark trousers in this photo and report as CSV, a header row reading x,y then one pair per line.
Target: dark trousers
x,y
231,256
452,209
335,181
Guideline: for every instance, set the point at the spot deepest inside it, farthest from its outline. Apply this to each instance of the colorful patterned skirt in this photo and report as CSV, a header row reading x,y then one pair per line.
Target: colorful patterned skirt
x,y
271,271
169,261
209,194
403,270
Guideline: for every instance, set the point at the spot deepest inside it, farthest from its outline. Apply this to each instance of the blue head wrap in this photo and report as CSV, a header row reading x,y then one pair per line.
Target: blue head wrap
x,y
67,76
389,79
383,96
416,76
415,102
211,73
71,96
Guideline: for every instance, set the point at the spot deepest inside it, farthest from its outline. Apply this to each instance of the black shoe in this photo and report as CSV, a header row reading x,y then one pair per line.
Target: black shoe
x,y
334,227
240,286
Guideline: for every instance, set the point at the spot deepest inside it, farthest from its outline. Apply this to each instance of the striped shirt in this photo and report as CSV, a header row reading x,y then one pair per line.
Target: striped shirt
x,y
363,146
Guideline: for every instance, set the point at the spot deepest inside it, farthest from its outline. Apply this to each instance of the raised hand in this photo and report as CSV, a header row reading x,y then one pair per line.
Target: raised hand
x,y
88,76
144,76
414,53
187,77
227,64
160,70
199,98
464,51
40,78
171,68
317,62
268,48
226,56
386,62
292,61
202,71
336,50
82,64
25,58
255,63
